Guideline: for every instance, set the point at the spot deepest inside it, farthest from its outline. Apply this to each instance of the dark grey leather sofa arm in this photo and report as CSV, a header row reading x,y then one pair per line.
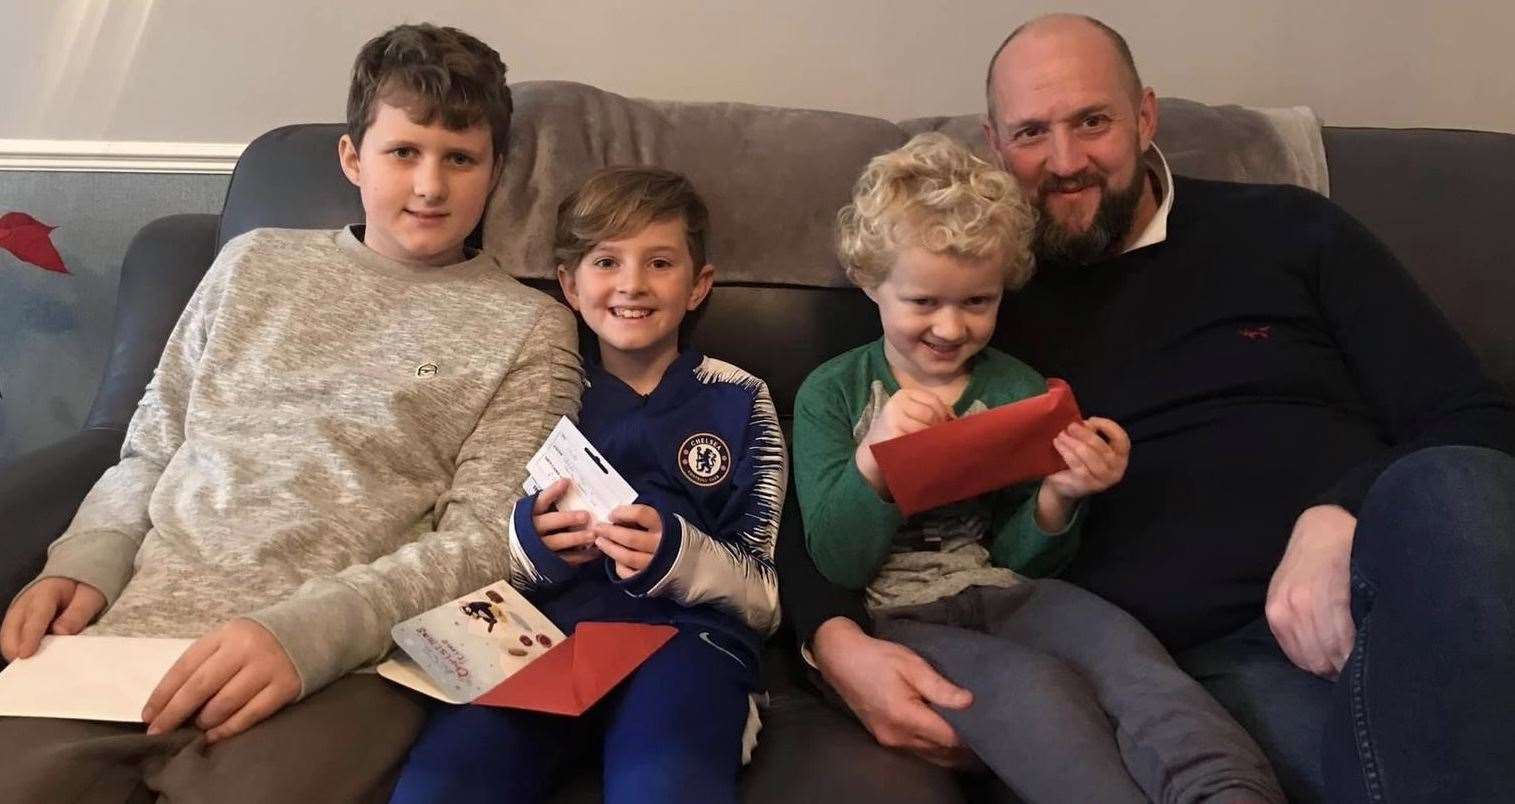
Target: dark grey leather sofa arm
x,y
41,490
162,268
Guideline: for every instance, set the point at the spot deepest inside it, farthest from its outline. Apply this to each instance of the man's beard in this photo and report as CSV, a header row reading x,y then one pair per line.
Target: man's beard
x,y
1117,208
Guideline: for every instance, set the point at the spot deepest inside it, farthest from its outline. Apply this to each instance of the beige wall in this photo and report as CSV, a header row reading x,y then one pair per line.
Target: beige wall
x,y
216,70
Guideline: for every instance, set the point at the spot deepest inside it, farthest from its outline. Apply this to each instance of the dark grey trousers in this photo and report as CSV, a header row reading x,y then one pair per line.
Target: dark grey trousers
x,y
342,744
1073,700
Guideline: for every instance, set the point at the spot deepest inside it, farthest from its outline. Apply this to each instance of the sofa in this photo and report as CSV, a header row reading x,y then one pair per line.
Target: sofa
x,y
774,178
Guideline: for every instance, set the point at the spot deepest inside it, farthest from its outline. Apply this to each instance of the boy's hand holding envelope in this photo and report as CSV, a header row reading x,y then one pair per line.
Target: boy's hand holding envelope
x,y
61,606
234,677
908,411
1096,451
918,455
227,680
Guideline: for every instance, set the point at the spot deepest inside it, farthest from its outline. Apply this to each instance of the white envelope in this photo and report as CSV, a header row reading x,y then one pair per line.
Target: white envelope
x,y
88,677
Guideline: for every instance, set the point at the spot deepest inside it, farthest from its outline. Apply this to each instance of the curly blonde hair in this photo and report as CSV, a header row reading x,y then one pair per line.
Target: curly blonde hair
x,y
934,193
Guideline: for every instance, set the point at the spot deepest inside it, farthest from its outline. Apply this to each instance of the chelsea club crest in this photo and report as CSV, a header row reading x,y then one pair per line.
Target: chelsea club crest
x,y
704,459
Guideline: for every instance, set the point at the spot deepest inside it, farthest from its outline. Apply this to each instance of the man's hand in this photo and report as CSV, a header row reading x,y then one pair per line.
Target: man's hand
x,y
565,533
235,676
1309,604
60,605
631,538
889,687
908,411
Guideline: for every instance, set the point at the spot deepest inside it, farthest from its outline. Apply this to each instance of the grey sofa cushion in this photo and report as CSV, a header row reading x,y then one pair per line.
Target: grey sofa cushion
x,y
773,178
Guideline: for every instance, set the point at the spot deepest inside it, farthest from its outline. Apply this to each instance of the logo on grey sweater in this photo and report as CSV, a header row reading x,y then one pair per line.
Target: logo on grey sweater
x,y
426,370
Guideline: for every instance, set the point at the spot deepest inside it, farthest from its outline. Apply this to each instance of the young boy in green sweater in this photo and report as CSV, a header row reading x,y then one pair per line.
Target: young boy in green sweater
x,y
934,236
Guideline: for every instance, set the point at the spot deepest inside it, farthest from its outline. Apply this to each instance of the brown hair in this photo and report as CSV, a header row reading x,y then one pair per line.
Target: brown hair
x,y
430,72
618,201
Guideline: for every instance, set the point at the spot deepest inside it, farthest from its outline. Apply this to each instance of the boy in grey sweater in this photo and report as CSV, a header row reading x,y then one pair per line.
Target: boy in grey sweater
x,y
328,446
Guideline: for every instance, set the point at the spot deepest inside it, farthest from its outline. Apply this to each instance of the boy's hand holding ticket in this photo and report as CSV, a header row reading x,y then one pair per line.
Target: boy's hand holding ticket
x,y
631,538
596,511
565,533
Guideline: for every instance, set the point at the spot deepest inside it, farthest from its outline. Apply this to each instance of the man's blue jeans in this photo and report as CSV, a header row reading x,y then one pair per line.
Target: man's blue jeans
x,y
1424,709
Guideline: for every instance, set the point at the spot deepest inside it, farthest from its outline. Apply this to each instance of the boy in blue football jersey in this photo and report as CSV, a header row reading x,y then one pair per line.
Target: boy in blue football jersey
x,y
699,440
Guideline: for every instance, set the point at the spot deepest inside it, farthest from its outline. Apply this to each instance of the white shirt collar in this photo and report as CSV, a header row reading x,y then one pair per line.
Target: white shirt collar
x,y
1157,228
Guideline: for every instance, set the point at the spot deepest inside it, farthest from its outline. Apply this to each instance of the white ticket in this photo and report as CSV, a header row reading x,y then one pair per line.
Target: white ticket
x,y
595,485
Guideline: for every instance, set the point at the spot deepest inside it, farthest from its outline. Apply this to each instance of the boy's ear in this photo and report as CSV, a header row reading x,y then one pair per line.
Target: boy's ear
x,y
872,294
704,279
347,155
569,286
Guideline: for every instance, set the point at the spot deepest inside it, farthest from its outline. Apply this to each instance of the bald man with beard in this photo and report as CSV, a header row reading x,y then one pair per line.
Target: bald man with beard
x,y
1318,518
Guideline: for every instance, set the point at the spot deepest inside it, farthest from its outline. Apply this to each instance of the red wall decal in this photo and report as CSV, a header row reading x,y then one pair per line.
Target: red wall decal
x,y
30,240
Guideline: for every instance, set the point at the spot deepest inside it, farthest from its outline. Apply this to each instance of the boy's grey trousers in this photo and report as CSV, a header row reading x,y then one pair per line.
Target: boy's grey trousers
x,y
1074,700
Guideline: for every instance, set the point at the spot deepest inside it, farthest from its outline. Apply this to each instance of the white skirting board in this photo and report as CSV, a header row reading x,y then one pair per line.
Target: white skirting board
x,y
103,156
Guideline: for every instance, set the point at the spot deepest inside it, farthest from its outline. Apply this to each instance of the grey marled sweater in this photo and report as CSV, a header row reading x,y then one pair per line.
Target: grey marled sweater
x,y
331,443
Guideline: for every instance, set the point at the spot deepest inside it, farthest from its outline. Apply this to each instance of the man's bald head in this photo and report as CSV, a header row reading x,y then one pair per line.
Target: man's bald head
x,y
1070,120
1066,23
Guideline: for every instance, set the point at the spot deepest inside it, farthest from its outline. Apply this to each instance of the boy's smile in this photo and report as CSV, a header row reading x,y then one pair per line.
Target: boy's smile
x,y
633,293
937,311
424,186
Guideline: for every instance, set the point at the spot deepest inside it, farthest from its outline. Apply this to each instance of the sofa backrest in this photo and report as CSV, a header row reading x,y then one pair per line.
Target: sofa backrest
x,y
290,178
1443,202
774,179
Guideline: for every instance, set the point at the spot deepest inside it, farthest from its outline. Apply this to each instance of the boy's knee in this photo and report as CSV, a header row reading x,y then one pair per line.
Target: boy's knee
x,y
954,652
455,736
1048,675
1015,683
672,773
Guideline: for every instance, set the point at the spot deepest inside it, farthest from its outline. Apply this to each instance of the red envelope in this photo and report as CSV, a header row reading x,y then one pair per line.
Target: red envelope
x,y
966,457
577,672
